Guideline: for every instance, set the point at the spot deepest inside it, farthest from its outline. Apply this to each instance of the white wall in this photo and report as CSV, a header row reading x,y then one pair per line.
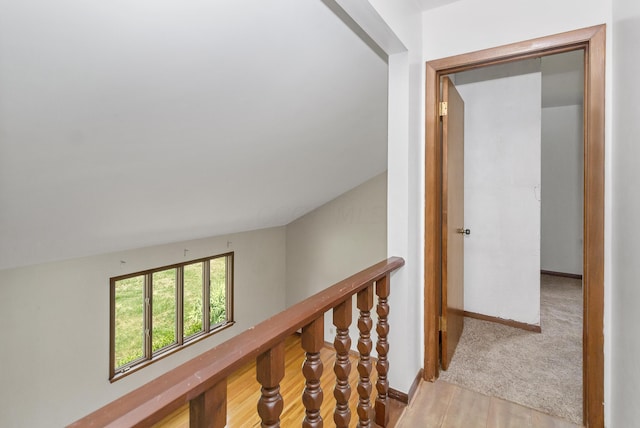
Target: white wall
x,y
274,268
405,203
562,187
55,331
399,21
335,241
338,239
477,25
625,394
490,23
502,190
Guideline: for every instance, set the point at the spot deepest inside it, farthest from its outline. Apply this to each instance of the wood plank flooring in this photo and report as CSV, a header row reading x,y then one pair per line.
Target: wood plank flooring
x,y
435,405
243,393
445,405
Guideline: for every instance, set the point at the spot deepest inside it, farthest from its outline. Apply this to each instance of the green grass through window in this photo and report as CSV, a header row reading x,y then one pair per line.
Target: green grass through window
x,y
164,309
129,340
129,343
218,293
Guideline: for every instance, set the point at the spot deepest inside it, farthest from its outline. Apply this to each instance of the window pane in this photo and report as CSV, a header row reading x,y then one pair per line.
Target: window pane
x,y
192,299
218,290
129,322
164,309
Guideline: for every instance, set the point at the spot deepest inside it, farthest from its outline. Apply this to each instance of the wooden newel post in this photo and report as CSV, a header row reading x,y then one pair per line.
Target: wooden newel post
x,y
365,303
312,343
342,367
209,409
382,348
269,372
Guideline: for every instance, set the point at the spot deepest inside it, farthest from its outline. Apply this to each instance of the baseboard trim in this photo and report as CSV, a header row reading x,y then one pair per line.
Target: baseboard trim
x,y
563,274
510,323
404,397
391,393
398,395
414,385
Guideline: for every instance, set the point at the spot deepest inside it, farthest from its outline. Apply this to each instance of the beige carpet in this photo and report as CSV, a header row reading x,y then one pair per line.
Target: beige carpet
x,y
538,370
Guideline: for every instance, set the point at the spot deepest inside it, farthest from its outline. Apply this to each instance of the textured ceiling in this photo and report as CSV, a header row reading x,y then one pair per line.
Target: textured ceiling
x,y
130,123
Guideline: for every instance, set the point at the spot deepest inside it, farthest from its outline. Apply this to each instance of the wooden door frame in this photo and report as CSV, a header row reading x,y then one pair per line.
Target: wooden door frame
x,y
592,41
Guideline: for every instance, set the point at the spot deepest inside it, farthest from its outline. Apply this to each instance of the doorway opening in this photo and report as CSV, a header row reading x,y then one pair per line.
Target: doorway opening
x,y
592,42
521,201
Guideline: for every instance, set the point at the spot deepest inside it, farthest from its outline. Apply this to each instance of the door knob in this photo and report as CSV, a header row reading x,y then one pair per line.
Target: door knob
x,y
463,231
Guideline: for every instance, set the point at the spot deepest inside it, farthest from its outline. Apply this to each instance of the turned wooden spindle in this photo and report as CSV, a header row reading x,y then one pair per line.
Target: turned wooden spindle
x,y
365,303
201,380
312,343
269,372
382,348
342,366
209,409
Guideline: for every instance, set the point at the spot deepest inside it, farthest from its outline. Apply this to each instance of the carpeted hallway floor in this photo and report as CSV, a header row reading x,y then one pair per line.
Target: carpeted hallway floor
x,y
538,370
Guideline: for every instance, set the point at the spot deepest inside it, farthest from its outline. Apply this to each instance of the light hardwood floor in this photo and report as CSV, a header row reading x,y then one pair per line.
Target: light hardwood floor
x,y
434,405
442,404
243,392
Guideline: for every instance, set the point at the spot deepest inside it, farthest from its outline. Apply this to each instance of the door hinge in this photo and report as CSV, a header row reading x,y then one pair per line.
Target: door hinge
x,y
442,109
442,324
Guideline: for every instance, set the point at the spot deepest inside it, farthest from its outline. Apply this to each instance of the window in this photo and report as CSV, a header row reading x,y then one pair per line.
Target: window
x,y
159,311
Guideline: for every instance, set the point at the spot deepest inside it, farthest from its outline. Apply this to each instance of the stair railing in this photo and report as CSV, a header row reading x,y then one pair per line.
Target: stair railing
x,y
202,381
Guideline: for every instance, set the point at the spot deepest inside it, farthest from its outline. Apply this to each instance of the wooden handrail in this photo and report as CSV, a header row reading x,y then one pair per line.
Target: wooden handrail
x,y
157,399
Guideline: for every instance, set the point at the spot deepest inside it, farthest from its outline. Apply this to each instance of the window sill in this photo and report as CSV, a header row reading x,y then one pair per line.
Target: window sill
x,y
171,350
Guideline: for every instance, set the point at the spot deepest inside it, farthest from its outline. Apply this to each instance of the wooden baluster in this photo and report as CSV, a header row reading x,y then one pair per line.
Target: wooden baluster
x,y
312,343
382,347
269,372
342,366
365,303
209,409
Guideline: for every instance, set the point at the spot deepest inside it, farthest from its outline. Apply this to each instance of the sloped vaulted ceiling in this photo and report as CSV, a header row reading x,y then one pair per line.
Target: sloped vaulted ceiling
x,y
130,123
